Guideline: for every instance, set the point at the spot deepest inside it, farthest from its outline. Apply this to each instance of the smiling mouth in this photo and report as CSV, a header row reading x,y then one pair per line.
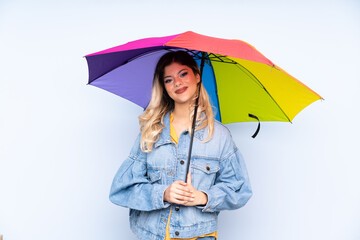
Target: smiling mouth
x,y
181,90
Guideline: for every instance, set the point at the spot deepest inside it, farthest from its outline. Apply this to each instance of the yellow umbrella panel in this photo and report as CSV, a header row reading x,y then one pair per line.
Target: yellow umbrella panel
x,y
246,87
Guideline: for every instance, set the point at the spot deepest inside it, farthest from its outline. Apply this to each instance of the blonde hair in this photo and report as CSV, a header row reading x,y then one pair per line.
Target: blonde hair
x,y
152,120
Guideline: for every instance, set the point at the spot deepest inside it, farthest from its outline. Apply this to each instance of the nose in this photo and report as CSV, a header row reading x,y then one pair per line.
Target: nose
x,y
177,81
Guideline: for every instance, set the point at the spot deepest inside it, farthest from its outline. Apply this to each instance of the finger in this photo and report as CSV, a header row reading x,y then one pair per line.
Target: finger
x,y
182,203
182,183
183,188
189,204
185,203
176,185
184,193
180,197
189,178
179,183
189,181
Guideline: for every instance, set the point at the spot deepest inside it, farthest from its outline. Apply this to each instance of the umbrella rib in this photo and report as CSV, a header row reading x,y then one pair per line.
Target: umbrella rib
x,y
218,58
194,53
242,68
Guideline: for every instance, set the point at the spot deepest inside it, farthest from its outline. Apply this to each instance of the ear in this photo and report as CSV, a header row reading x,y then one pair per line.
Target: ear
x,y
197,78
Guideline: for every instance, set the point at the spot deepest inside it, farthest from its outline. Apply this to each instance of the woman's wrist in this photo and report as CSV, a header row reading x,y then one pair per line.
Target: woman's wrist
x,y
203,199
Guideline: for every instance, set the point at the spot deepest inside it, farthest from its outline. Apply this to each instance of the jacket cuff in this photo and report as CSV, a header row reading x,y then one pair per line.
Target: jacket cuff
x,y
159,191
209,207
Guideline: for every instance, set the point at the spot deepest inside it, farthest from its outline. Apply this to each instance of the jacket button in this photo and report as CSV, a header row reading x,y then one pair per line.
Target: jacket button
x,y
177,208
182,162
177,233
207,167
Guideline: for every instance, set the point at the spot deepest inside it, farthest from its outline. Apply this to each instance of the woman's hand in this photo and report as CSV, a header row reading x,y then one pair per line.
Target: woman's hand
x,y
185,194
178,192
200,198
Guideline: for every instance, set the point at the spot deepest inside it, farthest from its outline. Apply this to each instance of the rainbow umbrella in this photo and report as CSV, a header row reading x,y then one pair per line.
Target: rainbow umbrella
x,y
243,84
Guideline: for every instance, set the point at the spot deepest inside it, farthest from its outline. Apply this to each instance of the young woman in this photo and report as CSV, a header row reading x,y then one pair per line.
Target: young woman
x,y
151,181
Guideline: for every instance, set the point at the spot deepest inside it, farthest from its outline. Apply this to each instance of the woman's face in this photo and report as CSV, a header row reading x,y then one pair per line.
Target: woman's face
x,y
180,82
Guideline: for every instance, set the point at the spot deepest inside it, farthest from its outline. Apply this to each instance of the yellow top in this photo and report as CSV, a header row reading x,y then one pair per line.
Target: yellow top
x,y
175,139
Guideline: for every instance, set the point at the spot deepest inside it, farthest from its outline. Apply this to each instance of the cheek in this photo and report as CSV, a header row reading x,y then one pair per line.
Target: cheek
x,y
192,81
168,89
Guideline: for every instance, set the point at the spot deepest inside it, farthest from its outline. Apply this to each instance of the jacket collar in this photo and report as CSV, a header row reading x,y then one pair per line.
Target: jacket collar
x,y
164,136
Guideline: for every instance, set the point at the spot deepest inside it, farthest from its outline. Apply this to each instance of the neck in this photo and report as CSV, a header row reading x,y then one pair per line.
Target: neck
x,y
181,120
181,112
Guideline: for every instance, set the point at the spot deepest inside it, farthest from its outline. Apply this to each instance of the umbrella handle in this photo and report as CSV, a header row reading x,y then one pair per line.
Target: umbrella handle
x,y
258,127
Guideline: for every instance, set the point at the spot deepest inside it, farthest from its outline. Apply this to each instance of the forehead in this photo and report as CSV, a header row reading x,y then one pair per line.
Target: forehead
x,y
174,68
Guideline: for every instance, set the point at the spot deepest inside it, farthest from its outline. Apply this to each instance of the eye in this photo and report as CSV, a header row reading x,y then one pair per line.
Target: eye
x,y
183,74
168,80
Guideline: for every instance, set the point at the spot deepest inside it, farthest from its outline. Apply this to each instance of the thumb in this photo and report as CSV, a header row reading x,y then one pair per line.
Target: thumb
x,y
189,178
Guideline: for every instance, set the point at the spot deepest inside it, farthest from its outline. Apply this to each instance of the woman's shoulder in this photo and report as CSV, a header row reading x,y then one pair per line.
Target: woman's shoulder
x,y
222,136
136,148
221,130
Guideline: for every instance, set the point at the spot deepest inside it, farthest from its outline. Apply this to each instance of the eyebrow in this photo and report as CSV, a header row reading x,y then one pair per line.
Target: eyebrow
x,y
177,73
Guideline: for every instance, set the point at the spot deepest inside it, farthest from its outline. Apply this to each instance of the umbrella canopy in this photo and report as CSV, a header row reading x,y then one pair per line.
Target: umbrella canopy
x,y
239,79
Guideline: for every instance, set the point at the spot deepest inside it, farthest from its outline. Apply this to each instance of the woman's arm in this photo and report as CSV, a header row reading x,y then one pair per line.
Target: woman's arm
x,y
232,186
132,188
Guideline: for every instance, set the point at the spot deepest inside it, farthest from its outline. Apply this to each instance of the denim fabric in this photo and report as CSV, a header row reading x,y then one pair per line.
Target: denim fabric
x,y
217,168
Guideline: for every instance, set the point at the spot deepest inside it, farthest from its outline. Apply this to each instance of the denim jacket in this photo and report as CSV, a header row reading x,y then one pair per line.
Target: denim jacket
x,y
217,169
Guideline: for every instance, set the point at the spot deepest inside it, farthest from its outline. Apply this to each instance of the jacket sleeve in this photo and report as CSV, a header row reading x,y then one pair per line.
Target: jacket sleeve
x,y
132,188
232,187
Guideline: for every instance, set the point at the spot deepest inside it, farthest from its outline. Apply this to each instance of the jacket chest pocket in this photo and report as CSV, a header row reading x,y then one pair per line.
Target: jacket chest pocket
x,y
203,172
